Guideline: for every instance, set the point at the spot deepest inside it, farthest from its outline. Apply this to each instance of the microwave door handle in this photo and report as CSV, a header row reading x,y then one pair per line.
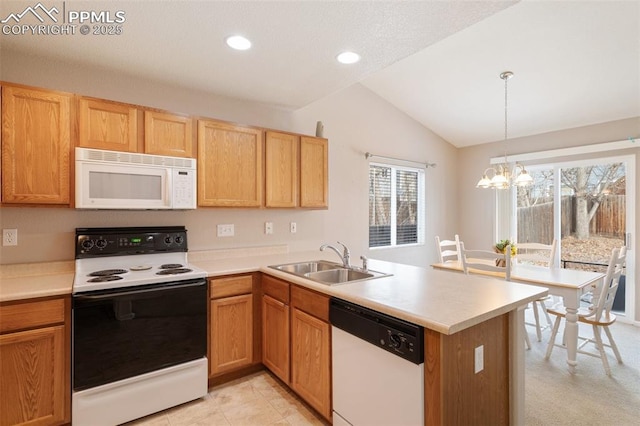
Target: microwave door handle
x,y
135,292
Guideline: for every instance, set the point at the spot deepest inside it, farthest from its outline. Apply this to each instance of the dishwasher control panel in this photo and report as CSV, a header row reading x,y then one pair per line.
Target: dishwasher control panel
x,y
397,341
394,335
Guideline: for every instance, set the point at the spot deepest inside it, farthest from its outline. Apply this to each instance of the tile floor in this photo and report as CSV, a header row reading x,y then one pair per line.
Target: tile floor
x,y
258,399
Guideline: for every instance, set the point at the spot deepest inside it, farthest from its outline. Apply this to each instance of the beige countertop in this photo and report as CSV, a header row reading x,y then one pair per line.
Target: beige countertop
x,y
443,301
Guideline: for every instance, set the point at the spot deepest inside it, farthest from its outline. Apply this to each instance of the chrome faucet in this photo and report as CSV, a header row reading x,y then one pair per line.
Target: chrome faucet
x,y
345,256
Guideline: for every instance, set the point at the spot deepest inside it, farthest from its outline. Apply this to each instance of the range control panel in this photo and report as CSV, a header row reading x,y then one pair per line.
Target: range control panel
x,y
96,242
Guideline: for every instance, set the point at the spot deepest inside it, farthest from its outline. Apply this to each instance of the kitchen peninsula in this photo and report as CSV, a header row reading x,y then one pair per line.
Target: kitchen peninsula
x,y
459,313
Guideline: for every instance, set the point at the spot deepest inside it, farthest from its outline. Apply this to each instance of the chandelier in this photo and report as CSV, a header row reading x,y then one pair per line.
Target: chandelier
x,y
502,177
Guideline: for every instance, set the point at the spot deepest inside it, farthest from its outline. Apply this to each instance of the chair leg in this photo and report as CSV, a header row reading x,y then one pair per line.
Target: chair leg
x,y
613,344
552,338
537,317
603,355
526,338
546,314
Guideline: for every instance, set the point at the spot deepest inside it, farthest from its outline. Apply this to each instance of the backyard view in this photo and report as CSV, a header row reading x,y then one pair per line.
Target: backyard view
x,y
592,212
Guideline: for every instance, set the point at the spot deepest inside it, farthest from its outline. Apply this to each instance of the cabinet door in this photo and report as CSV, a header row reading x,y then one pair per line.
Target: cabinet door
x,y
310,360
168,134
314,172
229,165
281,169
32,377
275,337
36,143
231,333
108,125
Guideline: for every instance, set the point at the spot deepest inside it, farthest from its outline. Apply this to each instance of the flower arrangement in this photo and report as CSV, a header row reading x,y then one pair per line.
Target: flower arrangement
x,y
501,246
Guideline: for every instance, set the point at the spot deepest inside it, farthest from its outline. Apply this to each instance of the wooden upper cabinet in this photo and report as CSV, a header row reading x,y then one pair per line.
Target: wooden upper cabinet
x,y
168,134
108,125
36,145
314,172
281,169
229,165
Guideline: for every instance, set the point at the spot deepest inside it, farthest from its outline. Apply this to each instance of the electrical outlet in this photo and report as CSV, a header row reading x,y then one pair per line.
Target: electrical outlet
x,y
9,237
479,359
226,230
268,228
293,227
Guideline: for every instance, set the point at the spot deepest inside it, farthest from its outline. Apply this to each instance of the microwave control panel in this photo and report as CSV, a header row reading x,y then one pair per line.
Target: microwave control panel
x,y
184,188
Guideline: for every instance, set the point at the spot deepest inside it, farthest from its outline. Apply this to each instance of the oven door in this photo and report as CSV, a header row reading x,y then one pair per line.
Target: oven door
x,y
123,333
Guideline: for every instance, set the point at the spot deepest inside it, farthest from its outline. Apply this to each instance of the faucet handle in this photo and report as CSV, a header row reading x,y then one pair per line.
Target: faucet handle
x,y
346,249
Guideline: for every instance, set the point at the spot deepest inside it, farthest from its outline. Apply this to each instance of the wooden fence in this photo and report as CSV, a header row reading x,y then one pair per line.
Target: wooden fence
x,y
535,223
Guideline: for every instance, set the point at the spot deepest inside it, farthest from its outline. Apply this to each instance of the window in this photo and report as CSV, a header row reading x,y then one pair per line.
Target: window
x,y
396,206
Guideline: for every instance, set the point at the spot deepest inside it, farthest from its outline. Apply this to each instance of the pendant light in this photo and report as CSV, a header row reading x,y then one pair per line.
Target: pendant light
x,y
502,178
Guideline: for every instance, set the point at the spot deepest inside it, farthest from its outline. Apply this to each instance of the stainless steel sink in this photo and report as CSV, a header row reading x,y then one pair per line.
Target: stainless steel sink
x,y
335,276
302,268
327,272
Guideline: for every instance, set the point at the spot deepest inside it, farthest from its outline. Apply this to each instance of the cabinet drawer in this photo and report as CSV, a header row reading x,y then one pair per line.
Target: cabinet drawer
x,y
231,286
275,288
313,303
31,314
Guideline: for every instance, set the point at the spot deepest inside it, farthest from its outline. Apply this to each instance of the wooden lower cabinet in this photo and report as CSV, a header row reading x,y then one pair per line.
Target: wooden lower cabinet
x,y
231,328
231,332
275,327
311,348
35,376
311,360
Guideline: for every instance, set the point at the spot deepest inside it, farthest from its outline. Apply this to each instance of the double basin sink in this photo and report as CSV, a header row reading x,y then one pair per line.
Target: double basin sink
x,y
326,272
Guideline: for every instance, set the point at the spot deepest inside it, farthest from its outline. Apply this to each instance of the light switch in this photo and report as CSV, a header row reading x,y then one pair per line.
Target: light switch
x,y
268,228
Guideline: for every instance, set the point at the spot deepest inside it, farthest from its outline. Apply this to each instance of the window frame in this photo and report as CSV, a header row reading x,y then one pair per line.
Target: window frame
x,y
420,203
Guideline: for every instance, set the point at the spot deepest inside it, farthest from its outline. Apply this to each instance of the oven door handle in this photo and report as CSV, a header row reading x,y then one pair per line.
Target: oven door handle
x,y
136,292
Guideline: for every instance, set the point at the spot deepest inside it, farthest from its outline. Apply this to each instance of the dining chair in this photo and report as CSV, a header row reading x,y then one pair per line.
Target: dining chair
x,y
598,315
489,261
448,250
542,255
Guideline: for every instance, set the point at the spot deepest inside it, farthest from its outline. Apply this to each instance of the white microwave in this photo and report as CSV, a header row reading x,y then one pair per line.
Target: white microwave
x,y
124,180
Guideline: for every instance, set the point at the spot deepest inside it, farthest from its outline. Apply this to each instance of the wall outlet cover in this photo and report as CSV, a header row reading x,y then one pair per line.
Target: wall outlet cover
x,y
9,237
226,230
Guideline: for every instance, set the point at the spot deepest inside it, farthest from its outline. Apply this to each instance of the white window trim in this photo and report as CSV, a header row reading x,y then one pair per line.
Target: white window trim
x,y
421,205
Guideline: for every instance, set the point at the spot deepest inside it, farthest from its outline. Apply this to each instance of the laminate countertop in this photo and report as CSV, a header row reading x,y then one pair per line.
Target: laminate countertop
x,y
443,301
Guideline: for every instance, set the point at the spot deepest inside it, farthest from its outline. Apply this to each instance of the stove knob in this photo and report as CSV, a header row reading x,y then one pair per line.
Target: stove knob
x,y
168,240
179,239
101,243
395,341
87,244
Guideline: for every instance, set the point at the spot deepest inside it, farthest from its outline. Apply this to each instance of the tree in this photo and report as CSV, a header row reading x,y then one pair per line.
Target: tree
x,y
590,184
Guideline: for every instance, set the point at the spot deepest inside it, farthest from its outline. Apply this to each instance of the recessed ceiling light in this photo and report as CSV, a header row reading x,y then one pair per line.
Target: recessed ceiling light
x,y
238,42
348,57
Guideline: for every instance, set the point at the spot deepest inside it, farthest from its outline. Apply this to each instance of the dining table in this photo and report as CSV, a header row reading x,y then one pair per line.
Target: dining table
x,y
570,284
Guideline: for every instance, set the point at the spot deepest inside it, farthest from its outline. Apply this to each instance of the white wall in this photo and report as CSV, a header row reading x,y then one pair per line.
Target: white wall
x,y
355,120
